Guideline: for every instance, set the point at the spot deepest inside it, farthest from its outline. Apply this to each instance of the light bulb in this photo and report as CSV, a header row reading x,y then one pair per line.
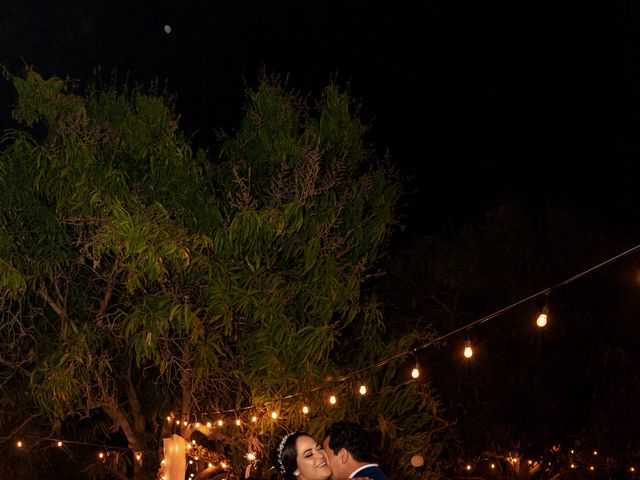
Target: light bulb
x,y
237,421
19,444
220,422
305,409
542,320
223,465
251,456
185,423
332,400
415,373
468,351
59,444
101,455
254,419
197,424
177,422
274,414
363,390
168,419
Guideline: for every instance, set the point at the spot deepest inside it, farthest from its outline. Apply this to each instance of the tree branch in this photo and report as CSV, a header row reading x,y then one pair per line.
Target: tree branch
x,y
64,319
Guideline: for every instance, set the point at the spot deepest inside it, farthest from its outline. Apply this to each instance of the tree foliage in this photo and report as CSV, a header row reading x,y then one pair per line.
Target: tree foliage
x,y
140,279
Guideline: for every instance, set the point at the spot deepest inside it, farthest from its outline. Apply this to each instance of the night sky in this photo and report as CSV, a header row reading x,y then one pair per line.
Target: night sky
x,y
480,102
477,102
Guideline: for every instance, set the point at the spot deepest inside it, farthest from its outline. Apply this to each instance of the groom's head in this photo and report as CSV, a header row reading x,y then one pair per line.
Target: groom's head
x,y
347,447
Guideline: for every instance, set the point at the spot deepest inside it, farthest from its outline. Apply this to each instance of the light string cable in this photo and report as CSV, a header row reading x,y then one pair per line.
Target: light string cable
x,y
444,336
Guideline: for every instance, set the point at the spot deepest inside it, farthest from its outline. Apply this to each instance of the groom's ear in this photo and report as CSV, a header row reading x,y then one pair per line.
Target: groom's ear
x,y
343,455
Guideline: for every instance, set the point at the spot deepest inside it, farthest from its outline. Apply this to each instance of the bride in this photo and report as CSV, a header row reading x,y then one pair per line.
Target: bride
x,y
300,457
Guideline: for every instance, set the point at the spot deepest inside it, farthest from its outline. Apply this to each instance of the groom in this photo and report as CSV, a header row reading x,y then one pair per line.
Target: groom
x,y
348,450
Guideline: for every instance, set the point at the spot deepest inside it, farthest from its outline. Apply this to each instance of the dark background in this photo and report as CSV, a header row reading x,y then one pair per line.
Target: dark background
x,y
478,103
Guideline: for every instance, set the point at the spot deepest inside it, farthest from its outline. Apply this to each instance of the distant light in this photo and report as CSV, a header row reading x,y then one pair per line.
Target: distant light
x,y
197,424
305,409
223,465
595,452
238,422
254,419
493,465
415,373
59,444
220,423
363,390
101,455
208,424
19,444
274,415
332,400
167,29
185,423
468,467
168,419
468,351
251,456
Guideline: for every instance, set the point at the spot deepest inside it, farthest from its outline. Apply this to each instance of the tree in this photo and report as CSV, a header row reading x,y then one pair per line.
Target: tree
x,y
141,280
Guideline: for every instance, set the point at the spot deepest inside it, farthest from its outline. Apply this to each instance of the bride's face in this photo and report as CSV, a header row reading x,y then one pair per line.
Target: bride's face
x,y
311,460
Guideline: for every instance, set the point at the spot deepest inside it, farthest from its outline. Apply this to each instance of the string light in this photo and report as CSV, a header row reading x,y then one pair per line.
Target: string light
x,y
274,414
332,400
363,390
220,422
305,409
197,424
251,456
468,351
542,318
168,419
208,424
415,373
238,422
59,443
19,444
254,419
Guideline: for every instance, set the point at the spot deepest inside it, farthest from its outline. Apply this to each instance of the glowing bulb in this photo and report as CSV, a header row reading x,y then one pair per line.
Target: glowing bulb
x,y
197,424
101,455
274,414
542,320
251,456
220,423
59,444
415,373
210,465
573,466
168,419
493,465
592,467
208,424
177,422
595,452
468,351
632,469
223,464
185,423
332,400
363,390
196,458
190,462
193,441
571,452
238,422
19,444
468,467
305,409
138,456
254,419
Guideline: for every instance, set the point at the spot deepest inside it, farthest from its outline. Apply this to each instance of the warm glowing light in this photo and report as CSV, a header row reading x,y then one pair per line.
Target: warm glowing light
x,y
163,462
220,422
632,469
238,422
468,351
592,467
493,465
529,462
573,465
274,414
595,452
138,456
208,424
332,400
363,390
101,455
168,419
210,465
19,444
415,373
177,422
468,467
223,464
185,423
190,462
542,320
193,441
305,409
59,444
251,456
197,424
196,458
192,475
571,452
254,419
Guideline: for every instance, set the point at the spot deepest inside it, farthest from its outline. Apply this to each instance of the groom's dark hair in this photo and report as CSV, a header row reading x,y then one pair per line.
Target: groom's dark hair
x,y
351,436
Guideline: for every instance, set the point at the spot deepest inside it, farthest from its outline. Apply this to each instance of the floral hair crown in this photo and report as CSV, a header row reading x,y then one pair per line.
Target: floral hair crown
x,y
280,448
